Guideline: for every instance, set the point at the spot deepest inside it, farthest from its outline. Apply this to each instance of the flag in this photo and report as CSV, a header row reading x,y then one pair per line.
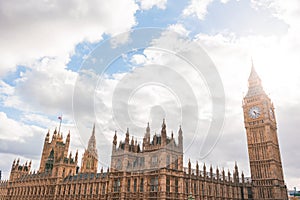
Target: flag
x,y
60,118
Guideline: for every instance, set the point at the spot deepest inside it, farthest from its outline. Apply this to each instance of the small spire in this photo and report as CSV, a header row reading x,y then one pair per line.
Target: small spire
x,y
93,133
253,73
163,133
132,141
163,126
76,156
115,138
243,177
127,137
190,166
254,83
148,128
92,147
180,130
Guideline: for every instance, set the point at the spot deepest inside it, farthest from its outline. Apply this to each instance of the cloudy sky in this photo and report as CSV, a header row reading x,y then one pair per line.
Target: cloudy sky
x,y
52,64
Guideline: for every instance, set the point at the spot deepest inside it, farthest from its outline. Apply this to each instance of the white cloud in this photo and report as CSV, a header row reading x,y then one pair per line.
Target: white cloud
x,y
14,131
32,30
197,8
120,39
5,90
148,4
46,88
138,59
288,11
179,28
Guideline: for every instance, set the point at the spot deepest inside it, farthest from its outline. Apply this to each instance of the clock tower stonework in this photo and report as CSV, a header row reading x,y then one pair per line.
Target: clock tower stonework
x,y
263,148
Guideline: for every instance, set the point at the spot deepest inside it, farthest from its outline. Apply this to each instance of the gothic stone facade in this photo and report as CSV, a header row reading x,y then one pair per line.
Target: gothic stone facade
x,y
155,169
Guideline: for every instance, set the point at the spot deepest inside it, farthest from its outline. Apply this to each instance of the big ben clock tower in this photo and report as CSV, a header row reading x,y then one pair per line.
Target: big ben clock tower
x,y
263,147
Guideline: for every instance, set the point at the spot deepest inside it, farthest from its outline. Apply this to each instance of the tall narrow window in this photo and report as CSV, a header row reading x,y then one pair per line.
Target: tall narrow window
x,y
128,185
154,160
168,184
91,189
168,161
97,188
59,189
142,161
69,190
176,185
116,185
103,188
142,185
154,184
134,185
135,162
175,161
186,187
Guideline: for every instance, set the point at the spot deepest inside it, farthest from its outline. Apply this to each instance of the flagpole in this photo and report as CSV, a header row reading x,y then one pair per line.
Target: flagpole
x,y
60,119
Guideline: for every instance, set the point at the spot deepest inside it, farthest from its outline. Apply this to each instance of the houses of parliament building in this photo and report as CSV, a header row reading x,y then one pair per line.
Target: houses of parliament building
x,y
155,169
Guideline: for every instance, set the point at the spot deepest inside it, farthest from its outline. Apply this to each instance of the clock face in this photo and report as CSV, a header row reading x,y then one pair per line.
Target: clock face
x,y
254,112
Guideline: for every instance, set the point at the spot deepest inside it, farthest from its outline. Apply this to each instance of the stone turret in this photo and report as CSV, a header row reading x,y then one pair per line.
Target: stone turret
x,y
164,133
180,138
89,162
115,141
18,170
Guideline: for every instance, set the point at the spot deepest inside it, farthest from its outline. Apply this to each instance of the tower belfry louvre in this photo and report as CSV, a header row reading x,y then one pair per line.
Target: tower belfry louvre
x,y
155,168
